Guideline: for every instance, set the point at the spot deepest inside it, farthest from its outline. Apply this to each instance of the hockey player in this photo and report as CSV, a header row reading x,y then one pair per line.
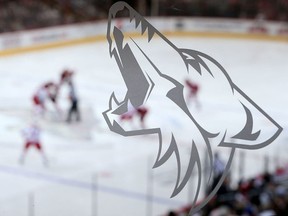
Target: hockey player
x,y
49,91
53,90
39,99
193,89
128,116
32,139
66,76
74,103
140,112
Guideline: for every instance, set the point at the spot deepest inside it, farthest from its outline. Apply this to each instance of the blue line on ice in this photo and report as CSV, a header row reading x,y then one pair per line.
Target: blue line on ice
x,y
86,185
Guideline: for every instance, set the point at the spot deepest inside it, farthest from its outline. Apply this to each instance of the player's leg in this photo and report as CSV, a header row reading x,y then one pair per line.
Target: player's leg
x,y
77,112
194,98
142,120
24,152
53,99
40,149
74,109
70,112
189,97
197,102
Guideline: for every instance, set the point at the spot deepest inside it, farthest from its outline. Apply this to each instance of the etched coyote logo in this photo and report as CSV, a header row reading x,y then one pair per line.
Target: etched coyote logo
x,y
141,73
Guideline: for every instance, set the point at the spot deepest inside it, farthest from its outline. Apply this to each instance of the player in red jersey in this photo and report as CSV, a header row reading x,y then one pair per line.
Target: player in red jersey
x,y
140,112
32,139
193,90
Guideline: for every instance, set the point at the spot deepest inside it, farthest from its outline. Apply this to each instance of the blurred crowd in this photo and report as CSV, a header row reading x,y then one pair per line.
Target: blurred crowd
x,y
263,195
29,14
245,9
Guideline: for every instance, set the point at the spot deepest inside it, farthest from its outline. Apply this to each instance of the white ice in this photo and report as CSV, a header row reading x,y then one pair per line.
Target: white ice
x,y
119,166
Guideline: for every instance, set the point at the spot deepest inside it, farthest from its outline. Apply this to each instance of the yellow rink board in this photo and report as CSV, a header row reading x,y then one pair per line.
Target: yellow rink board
x,y
102,38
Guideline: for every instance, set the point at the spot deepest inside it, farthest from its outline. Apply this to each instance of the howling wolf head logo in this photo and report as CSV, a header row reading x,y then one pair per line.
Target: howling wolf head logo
x,y
142,72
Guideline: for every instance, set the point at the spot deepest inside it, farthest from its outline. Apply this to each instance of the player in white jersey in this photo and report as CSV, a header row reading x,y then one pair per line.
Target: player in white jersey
x,y
48,91
39,99
31,135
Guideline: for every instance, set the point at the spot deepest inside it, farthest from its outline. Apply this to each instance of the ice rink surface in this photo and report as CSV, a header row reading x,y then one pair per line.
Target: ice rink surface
x,y
120,168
